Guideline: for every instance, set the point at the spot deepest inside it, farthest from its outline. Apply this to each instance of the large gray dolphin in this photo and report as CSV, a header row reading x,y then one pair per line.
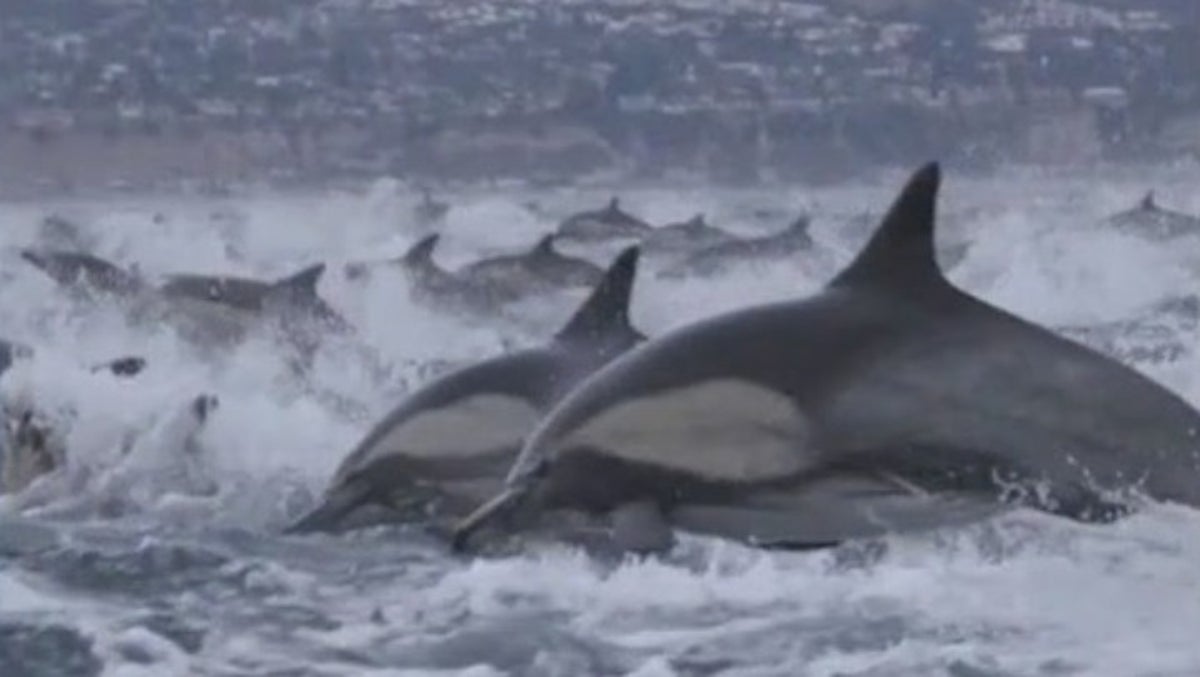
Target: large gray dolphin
x,y
446,447
889,401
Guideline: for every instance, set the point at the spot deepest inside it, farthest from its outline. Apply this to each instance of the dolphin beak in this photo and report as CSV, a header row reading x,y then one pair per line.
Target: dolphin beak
x,y
502,504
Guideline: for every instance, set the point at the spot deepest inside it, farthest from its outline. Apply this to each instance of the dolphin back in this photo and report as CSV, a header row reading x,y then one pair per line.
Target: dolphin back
x,y
958,372
303,282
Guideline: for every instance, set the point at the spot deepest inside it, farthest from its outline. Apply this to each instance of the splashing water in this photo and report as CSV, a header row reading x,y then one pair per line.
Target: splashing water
x,y
156,550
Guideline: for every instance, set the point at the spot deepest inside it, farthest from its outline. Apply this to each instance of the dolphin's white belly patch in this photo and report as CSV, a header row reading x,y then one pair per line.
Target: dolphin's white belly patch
x,y
724,429
466,427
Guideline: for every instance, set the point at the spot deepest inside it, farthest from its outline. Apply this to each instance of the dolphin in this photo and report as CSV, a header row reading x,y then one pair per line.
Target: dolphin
x,y
782,245
85,273
691,235
952,250
542,266
1150,220
610,223
890,401
296,292
447,446
434,286
206,310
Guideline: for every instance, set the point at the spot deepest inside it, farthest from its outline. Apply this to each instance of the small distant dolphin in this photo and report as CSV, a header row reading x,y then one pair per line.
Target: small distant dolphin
x,y
85,273
783,245
297,291
205,308
890,401
448,445
543,264
687,236
610,223
1150,220
442,290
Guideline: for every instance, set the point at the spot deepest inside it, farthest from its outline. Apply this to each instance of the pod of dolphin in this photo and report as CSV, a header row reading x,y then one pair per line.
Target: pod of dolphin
x,y
890,401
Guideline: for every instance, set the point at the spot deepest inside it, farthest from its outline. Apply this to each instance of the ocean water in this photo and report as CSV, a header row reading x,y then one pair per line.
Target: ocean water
x,y
135,563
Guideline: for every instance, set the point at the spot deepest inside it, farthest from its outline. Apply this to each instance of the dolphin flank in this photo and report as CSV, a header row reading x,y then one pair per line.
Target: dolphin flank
x,y
446,448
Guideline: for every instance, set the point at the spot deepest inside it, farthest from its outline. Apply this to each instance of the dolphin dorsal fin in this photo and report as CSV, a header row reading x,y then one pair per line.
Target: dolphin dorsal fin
x,y
303,282
901,255
1148,202
607,308
614,205
544,246
422,251
697,221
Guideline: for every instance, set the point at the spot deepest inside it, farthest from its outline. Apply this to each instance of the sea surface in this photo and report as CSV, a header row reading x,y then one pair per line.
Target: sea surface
x,y
186,574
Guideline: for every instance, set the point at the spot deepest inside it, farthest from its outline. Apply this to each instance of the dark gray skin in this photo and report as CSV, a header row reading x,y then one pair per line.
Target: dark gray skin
x,y
783,245
950,252
207,310
238,292
610,223
294,295
541,267
1151,221
688,236
84,273
916,397
416,485
443,290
